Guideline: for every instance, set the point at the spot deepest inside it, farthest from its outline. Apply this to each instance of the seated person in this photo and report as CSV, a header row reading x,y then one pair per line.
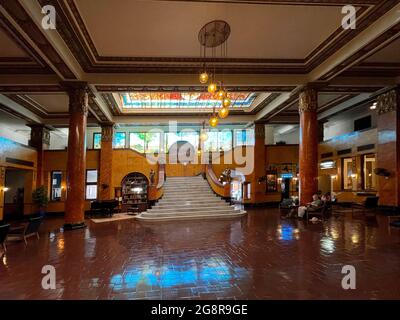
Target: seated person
x,y
312,206
327,197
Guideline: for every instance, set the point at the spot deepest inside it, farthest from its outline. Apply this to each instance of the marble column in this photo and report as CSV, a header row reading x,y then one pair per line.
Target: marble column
x,y
106,159
76,163
40,139
308,147
2,185
388,156
259,189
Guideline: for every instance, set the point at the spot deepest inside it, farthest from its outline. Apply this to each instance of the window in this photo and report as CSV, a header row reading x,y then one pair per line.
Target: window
x,y
153,141
91,184
192,137
56,177
97,140
119,140
211,144
362,123
369,164
137,141
349,173
171,138
244,137
225,140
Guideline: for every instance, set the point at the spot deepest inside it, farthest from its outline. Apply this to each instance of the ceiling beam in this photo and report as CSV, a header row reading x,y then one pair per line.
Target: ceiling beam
x,y
34,10
19,110
384,23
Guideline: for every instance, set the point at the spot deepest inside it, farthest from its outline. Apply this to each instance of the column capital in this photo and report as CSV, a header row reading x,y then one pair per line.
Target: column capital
x,y
388,101
40,135
107,131
308,100
259,130
78,92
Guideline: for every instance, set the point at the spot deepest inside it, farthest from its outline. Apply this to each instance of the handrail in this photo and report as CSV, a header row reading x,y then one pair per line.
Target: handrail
x,y
157,191
223,190
161,176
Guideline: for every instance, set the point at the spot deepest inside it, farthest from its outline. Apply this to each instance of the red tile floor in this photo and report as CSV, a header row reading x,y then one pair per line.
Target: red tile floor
x,y
258,256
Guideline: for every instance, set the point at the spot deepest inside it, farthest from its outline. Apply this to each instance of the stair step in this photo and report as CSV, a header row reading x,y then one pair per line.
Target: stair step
x,y
186,213
185,204
188,208
237,214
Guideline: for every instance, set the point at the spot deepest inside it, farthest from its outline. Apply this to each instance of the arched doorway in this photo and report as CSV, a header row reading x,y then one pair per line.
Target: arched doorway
x,y
182,152
134,192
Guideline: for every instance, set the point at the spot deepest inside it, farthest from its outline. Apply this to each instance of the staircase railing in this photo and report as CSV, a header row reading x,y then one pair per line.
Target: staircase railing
x,y
157,191
223,190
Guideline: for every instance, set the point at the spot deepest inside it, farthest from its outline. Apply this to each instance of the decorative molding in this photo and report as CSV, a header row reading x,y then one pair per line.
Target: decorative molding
x,y
366,51
387,102
110,102
78,92
96,110
308,100
74,32
259,130
22,18
127,88
30,89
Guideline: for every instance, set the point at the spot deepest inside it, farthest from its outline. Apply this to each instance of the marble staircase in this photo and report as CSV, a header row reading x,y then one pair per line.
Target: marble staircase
x,y
189,198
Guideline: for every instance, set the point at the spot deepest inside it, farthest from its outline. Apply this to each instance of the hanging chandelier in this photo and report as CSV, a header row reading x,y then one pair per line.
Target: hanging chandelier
x,y
213,38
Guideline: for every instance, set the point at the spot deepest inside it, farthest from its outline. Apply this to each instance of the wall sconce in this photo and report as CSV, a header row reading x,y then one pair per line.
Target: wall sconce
x,y
334,176
354,175
5,189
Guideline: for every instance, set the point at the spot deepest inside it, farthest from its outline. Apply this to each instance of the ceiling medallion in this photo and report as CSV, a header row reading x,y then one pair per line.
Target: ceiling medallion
x,y
213,39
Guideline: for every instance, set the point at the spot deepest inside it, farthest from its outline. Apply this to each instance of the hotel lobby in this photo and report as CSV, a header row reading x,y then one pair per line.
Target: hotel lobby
x,y
199,150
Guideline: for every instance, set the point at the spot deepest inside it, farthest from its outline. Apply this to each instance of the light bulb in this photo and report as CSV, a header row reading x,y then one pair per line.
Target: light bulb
x,y
221,94
203,78
213,121
223,112
212,87
226,102
203,136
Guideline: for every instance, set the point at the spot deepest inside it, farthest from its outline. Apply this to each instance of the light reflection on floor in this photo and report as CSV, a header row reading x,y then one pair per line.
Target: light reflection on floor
x,y
171,276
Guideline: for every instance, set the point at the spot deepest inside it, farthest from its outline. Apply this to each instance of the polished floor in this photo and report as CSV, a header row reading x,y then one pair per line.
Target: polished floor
x,y
259,256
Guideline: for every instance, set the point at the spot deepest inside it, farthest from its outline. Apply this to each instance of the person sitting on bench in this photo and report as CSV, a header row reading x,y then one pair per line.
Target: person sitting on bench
x,y
315,205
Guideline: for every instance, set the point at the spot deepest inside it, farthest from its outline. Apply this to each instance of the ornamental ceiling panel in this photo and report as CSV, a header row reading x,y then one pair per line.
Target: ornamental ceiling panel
x,y
124,28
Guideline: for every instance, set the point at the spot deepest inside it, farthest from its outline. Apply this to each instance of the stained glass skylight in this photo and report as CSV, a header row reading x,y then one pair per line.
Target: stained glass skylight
x,y
182,100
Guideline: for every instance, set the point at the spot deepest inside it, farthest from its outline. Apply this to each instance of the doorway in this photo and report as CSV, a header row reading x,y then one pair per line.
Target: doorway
x,y
285,188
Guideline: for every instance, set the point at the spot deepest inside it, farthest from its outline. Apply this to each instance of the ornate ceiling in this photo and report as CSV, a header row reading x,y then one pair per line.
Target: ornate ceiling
x,y
148,48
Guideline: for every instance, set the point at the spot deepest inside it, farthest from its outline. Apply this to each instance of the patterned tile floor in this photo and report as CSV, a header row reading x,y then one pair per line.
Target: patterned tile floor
x,y
258,256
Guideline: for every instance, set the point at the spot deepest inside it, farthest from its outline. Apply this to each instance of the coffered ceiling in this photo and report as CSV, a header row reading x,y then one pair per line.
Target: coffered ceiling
x,y
123,46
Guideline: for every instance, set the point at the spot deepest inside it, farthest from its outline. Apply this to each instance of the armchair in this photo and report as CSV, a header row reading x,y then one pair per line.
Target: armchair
x,y
370,205
25,231
3,235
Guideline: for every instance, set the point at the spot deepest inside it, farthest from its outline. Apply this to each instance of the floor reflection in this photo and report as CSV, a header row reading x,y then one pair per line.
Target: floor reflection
x,y
259,256
166,276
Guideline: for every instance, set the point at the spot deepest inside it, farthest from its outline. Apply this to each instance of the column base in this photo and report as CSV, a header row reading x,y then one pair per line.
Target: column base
x,y
74,226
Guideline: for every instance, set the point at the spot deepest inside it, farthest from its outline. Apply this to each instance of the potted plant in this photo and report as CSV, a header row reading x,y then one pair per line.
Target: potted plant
x,y
39,197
